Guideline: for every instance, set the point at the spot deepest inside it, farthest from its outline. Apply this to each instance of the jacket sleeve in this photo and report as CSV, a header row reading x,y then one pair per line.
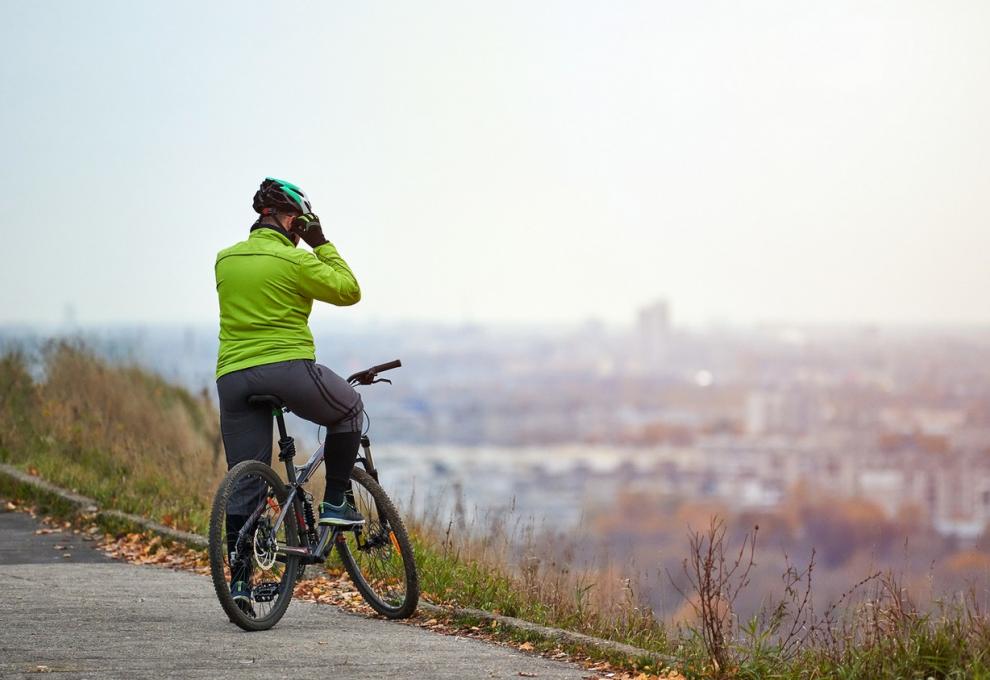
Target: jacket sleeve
x,y
326,277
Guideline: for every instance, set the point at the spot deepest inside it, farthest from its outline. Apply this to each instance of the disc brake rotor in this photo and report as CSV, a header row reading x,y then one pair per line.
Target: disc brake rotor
x,y
265,544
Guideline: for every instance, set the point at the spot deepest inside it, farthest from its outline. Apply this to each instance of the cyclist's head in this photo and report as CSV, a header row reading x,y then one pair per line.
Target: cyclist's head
x,y
282,201
277,195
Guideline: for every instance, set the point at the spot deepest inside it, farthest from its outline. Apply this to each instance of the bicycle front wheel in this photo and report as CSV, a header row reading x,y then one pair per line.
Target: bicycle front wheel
x,y
378,556
252,575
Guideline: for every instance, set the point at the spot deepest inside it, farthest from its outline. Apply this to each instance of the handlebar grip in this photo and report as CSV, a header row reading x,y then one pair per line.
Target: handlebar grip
x,y
386,367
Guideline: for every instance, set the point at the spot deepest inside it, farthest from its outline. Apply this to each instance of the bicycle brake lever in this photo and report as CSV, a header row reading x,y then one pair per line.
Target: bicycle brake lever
x,y
381,380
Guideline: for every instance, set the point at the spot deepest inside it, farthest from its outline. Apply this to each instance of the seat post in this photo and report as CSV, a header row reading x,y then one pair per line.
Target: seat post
x,y
282,435
286,446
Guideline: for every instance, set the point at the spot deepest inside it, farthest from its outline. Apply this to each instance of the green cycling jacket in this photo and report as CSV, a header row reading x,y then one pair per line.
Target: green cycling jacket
x,y
266,288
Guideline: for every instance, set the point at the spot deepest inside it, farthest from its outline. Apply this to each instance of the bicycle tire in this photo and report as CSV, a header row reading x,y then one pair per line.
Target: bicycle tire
x,y
218,546
381,520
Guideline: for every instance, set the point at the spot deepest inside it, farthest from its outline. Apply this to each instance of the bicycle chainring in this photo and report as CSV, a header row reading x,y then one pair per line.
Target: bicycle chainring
x,y
374,539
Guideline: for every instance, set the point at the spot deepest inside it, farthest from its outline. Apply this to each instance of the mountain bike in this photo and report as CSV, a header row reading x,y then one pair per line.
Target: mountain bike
x,y
280,536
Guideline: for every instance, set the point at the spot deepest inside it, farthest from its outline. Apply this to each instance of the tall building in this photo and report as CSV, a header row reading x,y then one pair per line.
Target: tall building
x,y
653,327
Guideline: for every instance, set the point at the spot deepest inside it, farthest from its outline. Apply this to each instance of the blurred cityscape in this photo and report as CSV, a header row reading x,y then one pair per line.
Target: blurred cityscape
x,y
544,419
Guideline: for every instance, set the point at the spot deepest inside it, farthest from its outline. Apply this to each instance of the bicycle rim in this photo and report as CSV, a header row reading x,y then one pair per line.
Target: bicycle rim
x,y
378,556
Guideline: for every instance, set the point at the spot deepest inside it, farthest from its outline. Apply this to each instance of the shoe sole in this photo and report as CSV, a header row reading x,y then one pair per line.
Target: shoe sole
x,y
340,522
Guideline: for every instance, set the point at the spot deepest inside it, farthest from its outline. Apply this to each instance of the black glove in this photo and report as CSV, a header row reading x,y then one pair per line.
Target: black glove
x,y
309,229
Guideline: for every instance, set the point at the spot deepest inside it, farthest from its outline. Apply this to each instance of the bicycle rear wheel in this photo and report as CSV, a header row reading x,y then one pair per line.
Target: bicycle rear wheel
x,y
378,556
245,546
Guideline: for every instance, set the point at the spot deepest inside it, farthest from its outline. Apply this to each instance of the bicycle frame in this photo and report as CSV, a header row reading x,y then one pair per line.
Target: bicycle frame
x,y
276,524
318,550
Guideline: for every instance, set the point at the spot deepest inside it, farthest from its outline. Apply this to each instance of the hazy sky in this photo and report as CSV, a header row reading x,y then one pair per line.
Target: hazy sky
x,y
505,161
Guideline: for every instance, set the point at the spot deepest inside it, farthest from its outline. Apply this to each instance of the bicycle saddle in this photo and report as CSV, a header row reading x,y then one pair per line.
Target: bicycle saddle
x,y
266,400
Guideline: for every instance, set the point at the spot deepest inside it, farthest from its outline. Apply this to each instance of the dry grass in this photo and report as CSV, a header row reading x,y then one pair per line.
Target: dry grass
x,y
505,565
117,433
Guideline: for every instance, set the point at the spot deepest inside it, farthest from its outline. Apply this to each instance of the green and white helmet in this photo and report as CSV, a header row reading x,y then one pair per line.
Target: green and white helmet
x,y
277,195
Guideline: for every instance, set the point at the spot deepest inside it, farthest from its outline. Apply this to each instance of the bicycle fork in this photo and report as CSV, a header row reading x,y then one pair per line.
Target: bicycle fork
x,y
366,460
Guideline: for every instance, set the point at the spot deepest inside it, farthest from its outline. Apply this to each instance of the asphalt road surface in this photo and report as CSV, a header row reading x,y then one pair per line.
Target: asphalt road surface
x,y
87,616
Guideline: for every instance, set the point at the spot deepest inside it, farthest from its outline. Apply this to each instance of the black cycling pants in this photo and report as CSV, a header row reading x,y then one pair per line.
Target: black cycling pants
x,y
310,390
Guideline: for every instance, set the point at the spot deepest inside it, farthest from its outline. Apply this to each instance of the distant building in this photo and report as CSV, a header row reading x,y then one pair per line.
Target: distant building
x,y
761,411
775,411
653,328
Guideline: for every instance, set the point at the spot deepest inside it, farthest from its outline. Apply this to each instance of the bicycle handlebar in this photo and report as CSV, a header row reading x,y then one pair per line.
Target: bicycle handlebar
x,y
368,375
381,368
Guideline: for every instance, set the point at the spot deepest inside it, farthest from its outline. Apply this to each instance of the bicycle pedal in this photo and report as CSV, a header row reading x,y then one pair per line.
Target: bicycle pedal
x,y
265,592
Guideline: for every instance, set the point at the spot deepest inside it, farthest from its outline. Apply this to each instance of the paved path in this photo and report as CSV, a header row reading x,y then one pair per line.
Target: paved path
x,y
87,616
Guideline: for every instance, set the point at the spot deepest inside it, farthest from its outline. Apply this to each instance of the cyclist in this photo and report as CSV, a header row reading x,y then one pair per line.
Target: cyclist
x,y
266,288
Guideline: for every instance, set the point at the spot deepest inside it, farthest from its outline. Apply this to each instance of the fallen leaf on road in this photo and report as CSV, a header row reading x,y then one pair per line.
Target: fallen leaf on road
x,y
10,506
58,546
66,554
526,647
40,669
527,675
